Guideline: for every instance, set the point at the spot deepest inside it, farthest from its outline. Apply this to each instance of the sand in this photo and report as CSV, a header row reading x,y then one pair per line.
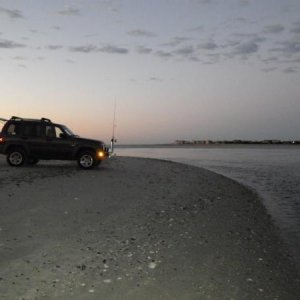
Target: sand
x,y
136,229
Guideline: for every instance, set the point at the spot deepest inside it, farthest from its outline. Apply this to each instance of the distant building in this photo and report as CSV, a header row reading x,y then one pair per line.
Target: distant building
x,y
182,142
208,142
271,142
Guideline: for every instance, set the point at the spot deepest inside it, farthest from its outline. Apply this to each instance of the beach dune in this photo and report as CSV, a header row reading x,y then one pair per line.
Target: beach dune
x,y
136,229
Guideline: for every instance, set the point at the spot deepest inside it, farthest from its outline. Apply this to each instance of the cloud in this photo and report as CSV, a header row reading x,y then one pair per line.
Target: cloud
x,y
267,70
56,28
250,37
54,47
12,13
155,79
290,70
143,50
70,11
110,5
84,49
289,47
113,49
271,59
203,1
141,33
20,58
91,35
246,48
176,41
212,58
243,44
275,28
34,31
10,44
240,20
185,51
294,61
40,58
22,66
196,29
164,54
93,48
244,2
70,61
208,46
296,28
292,47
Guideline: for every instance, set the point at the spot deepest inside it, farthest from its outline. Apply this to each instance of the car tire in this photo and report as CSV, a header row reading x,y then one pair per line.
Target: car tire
x,y
86,160
16,157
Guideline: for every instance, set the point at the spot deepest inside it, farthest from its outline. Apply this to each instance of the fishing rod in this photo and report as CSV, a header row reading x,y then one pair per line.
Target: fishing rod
x,y
113,140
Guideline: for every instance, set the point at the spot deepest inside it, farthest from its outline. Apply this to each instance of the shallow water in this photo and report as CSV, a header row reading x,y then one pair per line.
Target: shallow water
x,y
273,171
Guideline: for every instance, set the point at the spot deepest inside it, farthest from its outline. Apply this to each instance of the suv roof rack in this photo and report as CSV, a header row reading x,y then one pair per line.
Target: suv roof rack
x,y
14,118
46,120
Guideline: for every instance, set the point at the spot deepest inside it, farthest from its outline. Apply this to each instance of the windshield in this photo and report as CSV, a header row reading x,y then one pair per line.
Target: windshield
x,y
67,130
2,122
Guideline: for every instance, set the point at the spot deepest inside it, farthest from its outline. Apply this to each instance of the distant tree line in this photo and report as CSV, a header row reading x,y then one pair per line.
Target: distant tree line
x,y
208,142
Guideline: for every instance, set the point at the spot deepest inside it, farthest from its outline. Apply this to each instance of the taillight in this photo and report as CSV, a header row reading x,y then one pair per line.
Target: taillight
x,y
1,139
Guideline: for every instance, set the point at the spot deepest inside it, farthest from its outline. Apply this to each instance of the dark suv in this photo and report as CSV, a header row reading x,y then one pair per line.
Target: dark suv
x,y
29,140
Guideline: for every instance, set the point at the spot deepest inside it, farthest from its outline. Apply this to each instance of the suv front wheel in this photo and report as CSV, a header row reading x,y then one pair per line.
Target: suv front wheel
x,y
16,157
86,160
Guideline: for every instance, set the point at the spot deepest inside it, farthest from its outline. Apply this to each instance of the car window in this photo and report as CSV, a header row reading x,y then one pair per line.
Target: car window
x,y
67,130
50,132
58,131
2,123
32,130
53,131
13,129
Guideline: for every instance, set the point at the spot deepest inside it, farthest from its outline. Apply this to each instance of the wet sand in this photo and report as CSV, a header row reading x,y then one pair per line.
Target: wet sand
x,y
136,229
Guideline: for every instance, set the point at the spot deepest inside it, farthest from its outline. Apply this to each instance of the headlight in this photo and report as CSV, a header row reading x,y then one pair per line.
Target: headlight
x,y
101,153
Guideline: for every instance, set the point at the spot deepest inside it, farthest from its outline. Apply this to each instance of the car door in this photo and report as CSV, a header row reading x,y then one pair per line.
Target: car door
x,y
58,145
33,138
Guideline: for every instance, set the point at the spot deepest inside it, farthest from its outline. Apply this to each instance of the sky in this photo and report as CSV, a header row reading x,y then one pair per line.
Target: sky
x,y
174,69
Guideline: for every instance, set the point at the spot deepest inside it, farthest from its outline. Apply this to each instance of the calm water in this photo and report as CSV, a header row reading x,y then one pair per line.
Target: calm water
x,y
273,171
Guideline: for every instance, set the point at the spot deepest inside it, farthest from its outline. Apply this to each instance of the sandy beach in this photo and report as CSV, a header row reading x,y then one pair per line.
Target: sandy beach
x,y
136,229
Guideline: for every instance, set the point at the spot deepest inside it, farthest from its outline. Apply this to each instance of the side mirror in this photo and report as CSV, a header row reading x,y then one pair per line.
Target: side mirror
x,y
63,136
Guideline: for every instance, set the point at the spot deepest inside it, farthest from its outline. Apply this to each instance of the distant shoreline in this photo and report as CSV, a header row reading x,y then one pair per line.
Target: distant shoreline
x,y
205,146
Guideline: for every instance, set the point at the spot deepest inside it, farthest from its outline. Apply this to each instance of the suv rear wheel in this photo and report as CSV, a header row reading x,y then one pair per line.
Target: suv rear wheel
x,y
16,157
86,160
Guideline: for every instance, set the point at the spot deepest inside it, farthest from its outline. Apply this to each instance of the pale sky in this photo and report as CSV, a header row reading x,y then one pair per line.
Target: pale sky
x,y
177,69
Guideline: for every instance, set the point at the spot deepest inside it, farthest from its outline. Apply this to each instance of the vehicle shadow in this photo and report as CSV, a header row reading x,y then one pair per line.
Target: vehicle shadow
x,y
44,169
